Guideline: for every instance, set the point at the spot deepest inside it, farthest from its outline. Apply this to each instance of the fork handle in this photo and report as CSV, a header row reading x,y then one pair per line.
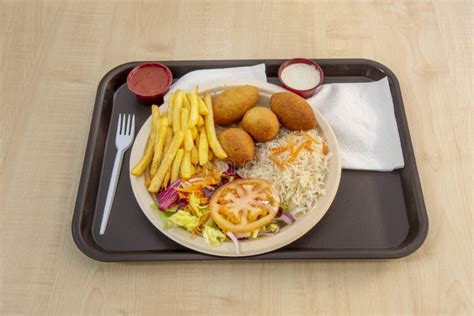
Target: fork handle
x,y
111,192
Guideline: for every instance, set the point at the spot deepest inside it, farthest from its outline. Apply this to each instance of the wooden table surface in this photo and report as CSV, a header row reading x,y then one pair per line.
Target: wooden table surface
x,y
52,56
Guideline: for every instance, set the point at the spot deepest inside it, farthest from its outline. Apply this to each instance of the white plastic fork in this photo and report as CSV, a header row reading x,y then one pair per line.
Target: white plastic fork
x,y
123,141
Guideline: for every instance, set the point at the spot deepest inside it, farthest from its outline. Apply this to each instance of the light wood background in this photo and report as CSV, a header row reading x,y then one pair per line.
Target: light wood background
x,y
52,56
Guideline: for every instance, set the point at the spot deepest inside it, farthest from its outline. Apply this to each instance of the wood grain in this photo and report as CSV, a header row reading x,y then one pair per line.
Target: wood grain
x,y
52,55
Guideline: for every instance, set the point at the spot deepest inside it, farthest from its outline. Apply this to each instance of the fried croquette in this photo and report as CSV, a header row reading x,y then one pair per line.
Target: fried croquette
x,y
231,105
261,123
293,111
238,145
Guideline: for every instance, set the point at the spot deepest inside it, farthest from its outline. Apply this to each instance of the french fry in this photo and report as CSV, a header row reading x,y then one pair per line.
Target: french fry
x,y
186,102
188,140
166,179
203,148
147,157
170,107
161,131
210,165
194,132
211,155
197,139
176,165
147,180
184,119
169,138
202,107
200,121
186,172
211,130
166,163
178,103
193,113
155,110
194,155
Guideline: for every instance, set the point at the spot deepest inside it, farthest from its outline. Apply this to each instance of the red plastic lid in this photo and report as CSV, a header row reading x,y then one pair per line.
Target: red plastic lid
x,y
149,80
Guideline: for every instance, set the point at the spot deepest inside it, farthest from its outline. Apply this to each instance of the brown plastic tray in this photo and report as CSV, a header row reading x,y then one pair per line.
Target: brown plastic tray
x,y
374,215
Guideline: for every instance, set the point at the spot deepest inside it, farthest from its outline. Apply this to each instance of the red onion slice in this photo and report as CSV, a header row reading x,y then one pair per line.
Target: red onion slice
x,y
286,217
235,241
168,197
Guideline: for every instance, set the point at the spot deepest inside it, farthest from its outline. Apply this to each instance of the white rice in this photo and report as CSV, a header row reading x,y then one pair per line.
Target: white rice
x,y
300,183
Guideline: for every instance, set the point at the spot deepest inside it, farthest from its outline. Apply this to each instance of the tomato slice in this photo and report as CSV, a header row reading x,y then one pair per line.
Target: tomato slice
x,y
244,205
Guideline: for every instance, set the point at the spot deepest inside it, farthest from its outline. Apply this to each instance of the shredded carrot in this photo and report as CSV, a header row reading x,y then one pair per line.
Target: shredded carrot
x,y
314,140
204,182
278,163
292,148
279,149
196,230
308,146
216,175
182,195
325,148
305,145
297,151
189,189
203,218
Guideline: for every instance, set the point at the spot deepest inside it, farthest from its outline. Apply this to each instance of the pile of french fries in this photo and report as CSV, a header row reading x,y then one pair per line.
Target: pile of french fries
x,y
181,141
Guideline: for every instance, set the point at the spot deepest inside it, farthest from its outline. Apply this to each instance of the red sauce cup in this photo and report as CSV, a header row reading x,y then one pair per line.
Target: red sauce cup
x,y
304,93
149,82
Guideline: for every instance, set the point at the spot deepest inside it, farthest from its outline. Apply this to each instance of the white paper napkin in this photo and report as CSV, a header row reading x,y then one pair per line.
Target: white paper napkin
x,y
362,116
208,76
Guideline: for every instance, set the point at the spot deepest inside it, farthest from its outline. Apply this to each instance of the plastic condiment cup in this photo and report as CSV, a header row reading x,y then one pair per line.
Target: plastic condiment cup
x,y
149,82
304,93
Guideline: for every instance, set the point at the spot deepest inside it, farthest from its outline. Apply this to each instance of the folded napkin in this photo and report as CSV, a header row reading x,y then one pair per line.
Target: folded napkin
x,y
208,76
363,119
361,114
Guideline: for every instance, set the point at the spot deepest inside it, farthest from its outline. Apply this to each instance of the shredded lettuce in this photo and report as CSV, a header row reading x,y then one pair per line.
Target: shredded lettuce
x,y
285,207
164,217
164,214
194,203
172,209
183,219
255,234
272,227
213,236
210,222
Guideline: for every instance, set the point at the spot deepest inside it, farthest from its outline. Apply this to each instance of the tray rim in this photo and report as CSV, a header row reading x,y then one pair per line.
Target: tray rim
x,y
406,248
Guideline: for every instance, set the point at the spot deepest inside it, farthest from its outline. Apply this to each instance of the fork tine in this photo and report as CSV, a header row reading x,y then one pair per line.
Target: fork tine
x,y
119,125
129,123
132,132
124,124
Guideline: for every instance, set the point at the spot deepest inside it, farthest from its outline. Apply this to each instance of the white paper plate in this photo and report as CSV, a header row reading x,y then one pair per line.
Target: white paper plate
x,y
248,247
